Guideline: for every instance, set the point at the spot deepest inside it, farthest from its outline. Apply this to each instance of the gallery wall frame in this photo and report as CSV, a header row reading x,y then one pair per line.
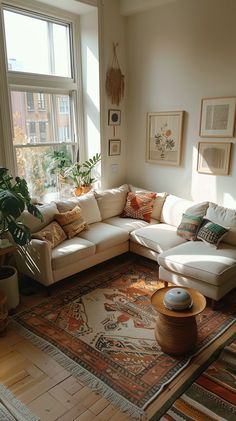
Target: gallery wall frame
x,y
164,137
114,117
114,147
214,158
217,117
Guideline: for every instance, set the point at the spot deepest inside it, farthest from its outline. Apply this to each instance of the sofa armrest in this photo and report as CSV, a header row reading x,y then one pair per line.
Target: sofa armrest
x,y
34,260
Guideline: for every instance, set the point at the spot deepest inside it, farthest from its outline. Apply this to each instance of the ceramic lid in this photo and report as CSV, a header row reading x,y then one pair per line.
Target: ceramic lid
x,y
177,299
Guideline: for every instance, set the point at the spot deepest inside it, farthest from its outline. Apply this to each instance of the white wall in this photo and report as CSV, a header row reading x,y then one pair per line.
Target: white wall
x,y
112,29
177,54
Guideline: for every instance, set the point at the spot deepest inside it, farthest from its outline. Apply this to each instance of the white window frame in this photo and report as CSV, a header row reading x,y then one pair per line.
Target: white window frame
x,y
23,81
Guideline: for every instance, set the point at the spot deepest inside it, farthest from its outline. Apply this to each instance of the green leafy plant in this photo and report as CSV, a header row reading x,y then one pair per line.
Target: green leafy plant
x,y
58,161
14,199
81,174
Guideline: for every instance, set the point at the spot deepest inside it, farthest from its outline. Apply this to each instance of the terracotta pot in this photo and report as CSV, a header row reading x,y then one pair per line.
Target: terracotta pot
x,y
78,191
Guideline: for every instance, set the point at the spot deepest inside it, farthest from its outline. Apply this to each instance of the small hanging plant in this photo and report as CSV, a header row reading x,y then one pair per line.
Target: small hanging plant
x,y
115,80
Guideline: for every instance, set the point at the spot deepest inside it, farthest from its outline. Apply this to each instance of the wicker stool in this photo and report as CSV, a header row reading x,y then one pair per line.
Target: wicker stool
x,y
3,312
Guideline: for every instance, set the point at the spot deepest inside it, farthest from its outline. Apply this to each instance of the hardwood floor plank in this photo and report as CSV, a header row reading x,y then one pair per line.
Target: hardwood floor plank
x,y
73,413
71,385
47,407
99,406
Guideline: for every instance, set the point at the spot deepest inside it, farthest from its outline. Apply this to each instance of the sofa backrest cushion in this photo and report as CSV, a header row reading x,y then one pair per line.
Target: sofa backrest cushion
x,y
173,209
111,202
158,202
88,205
48,211
225,217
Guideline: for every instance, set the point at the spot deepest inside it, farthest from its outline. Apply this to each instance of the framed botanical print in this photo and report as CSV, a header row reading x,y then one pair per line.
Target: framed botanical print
x,y
114,147
164,137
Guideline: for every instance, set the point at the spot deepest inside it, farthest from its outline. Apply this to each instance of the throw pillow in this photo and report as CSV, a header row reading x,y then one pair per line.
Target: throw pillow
x,y
139,206
52,233
71,222
189,226
211,233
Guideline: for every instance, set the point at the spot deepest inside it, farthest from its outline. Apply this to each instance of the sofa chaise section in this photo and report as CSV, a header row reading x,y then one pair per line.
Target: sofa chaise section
x,y
197,265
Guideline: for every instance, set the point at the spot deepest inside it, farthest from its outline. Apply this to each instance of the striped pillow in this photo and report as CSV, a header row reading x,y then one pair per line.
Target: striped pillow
x,y
71,221
189,226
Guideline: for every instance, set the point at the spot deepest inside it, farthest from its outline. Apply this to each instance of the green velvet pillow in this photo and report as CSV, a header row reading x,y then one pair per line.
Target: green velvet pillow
x,y
189,226
211,233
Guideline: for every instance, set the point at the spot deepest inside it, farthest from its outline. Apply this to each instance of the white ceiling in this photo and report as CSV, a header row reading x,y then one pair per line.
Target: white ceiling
x,y
128,7
73,6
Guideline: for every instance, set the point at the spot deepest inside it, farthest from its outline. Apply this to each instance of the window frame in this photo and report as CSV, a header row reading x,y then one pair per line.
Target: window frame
x,y
23,81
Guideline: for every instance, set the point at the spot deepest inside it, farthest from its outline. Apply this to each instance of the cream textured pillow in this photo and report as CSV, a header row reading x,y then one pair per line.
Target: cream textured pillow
x,y
71,222
111,202
52,233
88,205
35,224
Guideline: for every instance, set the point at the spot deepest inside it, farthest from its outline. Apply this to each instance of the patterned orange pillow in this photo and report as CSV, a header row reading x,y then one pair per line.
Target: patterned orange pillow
x,y
52,233
71,221
139,206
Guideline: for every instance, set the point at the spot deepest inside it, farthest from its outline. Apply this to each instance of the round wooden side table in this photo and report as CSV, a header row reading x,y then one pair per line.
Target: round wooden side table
x,y
176,331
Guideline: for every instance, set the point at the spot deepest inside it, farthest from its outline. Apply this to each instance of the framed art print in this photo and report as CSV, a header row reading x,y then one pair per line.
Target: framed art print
x,y
114,117
164,137
213,158
114,147
217,117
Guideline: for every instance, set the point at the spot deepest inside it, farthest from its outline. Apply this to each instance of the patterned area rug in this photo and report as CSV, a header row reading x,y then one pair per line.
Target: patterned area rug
x,y
103,332
213,395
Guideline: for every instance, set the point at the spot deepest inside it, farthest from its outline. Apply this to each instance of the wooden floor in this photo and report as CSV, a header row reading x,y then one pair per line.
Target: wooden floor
x,y
51,393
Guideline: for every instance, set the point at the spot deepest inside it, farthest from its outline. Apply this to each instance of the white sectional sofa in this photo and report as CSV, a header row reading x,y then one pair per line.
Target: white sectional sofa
x,y
187,263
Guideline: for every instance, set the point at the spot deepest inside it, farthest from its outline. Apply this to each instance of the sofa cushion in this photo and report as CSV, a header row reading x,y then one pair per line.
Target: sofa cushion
x,y
88,205
71,251
71,222
128,224
174,207
211,233
52,233
104,236
226,217
157,237
197,260
139,206
111,202
48,212
189,226
158,202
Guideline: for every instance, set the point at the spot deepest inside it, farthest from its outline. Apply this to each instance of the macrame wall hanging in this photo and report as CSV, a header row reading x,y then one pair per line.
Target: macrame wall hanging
x,y
115,80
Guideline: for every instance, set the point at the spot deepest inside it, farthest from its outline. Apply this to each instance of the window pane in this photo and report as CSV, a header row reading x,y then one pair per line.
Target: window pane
x,y
44,181
35,45
41,117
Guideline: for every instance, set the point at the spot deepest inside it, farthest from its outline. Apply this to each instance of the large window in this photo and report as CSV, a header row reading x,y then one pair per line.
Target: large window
x,y
40,54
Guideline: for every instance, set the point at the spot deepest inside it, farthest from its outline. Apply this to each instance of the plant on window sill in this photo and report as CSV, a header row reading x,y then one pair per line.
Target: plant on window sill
x,y
81,174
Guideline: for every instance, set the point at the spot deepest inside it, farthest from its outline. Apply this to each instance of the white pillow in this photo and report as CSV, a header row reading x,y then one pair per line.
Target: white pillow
x,y
111,202
89,208
225,217
35,224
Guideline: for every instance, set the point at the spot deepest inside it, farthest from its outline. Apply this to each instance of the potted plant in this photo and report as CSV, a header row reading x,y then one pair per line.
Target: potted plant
x,y
14,198
81,174
58,161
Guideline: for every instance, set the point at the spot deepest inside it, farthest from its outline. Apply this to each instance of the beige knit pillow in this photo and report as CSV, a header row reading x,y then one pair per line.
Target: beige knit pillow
x,y
71,222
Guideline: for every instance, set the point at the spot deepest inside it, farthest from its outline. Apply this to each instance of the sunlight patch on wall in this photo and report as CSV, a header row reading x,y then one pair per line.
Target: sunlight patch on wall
x,y
92,77
204,186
